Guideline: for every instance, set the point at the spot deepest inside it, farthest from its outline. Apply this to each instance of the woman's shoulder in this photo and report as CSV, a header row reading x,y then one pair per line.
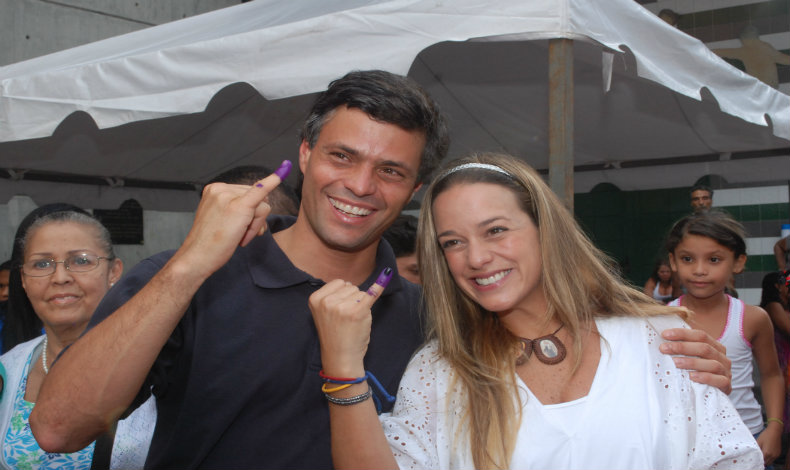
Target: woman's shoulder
x,y
428,357
427,369
754,312
650,327
755,319
639,338
20,351
14,363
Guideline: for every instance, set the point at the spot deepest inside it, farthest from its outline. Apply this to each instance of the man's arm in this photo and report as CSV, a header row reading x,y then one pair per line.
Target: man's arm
x,y
780,253
97,378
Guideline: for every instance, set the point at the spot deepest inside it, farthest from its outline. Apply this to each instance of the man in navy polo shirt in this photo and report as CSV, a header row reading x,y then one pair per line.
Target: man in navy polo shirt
x,y
222,334
220,330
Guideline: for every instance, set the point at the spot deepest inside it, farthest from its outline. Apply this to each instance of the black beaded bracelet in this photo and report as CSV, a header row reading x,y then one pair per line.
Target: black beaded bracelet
x,y
350,400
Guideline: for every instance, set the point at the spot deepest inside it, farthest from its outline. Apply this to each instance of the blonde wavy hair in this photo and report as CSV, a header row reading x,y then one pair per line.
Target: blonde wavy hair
x,y
579,280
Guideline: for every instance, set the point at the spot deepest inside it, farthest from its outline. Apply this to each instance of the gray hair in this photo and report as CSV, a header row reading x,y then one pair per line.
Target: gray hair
x,y
102,234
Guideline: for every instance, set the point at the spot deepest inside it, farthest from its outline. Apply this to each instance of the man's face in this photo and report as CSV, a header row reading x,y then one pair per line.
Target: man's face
x,y
357,177
4,275
701,200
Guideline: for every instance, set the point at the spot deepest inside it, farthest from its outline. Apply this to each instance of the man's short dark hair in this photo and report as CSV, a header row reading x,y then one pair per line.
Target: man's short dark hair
x,y
402,235
701,187
283,199
389,98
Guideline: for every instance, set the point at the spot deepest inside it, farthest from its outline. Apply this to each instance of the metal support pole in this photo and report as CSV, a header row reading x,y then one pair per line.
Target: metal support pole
x,y
561,119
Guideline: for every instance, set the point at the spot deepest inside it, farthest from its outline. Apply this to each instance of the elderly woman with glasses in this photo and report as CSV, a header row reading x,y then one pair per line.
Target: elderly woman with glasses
x,y
64,264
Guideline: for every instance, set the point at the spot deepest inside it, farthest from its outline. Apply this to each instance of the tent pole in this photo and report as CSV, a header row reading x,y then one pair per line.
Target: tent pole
x,y
561,119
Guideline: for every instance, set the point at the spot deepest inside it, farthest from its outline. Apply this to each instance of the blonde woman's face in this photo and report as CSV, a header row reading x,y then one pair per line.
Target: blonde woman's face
x,y
65,299
492,247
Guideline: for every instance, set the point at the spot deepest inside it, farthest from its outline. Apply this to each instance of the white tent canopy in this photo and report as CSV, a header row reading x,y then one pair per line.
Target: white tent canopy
x,y
645,93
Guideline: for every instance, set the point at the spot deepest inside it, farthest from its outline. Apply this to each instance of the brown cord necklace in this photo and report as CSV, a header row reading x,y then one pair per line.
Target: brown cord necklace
x,y
548,349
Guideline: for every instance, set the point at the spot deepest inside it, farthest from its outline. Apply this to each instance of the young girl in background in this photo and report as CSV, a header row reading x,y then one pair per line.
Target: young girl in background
x,y
705,249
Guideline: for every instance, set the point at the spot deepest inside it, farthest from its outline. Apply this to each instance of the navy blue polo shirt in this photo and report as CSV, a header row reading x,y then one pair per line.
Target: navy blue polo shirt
x,y
237,383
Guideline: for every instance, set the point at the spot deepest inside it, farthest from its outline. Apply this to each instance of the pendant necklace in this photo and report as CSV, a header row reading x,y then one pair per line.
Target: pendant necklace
x,y
548,349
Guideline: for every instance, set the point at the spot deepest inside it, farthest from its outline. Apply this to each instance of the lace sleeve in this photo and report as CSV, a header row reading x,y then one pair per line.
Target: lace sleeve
x,y
706,429
721,439
419,427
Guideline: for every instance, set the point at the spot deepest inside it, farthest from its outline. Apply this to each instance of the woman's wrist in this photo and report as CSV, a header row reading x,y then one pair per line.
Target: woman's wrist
x,y
342,368
778,423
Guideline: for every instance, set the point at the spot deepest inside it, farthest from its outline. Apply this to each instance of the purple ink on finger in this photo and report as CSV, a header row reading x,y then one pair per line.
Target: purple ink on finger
x,y
384,277
383,280
284,169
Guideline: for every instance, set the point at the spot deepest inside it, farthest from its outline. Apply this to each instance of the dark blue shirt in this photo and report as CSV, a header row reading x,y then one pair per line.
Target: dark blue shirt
x,y
237,383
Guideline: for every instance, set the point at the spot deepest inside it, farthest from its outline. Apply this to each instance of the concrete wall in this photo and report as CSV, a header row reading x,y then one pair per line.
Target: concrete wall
x,y
162,230
32,28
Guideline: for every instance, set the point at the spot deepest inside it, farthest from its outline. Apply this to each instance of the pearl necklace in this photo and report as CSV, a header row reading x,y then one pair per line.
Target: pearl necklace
x,y
44,355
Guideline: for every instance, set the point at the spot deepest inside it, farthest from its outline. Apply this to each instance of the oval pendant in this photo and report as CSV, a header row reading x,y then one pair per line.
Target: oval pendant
x,y
549,349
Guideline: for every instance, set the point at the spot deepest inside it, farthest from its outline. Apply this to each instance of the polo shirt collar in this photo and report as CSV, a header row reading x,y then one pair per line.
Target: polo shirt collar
x,y
270,268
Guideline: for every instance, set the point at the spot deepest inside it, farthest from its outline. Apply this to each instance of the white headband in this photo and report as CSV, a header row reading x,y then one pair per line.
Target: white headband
x,y
482,166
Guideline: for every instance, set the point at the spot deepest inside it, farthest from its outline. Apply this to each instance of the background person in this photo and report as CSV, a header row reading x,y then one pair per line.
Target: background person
x,y
701,197
660,285
5,273
540,356
282,200
67,266
402,237
781,252
774,300
706,248
21,323
670,17
759,57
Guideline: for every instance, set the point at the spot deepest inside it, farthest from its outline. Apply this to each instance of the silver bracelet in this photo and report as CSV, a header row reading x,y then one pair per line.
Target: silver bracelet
x,y
350,400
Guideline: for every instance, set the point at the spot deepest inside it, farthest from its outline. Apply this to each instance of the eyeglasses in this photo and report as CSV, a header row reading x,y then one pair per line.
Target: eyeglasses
x,y
79,263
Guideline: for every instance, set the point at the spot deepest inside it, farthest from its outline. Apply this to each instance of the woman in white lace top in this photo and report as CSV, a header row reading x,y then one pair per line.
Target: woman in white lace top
x,y
540,357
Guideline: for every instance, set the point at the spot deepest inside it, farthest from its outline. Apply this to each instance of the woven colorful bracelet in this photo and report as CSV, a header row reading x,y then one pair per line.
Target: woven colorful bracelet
x,y
379,389
350,400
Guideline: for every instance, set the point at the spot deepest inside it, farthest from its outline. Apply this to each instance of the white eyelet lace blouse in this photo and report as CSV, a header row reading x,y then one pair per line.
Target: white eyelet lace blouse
x,y
641,413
